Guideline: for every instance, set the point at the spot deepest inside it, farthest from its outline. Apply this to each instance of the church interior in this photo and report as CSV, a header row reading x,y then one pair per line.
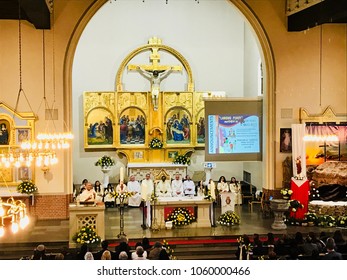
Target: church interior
x,y
113,91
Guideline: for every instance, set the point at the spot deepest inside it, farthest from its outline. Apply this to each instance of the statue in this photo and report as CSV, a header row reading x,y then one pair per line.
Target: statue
x,y
298,166
156,76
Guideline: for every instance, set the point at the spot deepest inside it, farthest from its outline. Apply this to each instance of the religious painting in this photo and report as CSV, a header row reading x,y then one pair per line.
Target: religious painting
x,y
24,173
286,140
138,155
4,132
178,127
22,134
321,148
99,124
132,127
200,127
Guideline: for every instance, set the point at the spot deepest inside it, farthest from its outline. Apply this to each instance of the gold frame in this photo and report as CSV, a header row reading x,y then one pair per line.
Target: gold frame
x,y
17,121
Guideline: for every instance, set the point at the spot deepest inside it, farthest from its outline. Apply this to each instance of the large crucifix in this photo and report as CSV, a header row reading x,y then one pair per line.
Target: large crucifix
x,y
155,73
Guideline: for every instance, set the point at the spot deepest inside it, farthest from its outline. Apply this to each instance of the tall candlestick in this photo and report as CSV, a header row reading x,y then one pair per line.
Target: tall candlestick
x,y
121,174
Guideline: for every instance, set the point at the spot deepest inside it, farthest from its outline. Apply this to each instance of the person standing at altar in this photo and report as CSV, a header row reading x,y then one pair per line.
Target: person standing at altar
x,y
236,188
163,188
177,186
188,187
120,189
88,194
135,188
222,185
147,189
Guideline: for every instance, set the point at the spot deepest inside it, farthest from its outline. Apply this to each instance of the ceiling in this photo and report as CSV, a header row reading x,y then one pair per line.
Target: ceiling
x,y
37,13
34,11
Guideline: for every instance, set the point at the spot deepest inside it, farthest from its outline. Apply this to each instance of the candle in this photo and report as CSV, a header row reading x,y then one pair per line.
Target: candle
x,y
121,174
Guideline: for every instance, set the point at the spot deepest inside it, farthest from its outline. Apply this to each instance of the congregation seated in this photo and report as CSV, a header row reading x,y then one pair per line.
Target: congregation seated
x,y
40,253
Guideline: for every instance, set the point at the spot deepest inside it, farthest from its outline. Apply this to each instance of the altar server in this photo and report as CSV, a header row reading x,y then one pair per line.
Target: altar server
x,y
135,188
147,188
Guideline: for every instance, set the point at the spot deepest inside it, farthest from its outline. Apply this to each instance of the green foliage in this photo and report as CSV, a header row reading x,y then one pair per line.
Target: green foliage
x,y
27,187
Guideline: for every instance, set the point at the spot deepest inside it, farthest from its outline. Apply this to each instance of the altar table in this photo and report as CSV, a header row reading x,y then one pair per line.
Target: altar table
x,y
202,209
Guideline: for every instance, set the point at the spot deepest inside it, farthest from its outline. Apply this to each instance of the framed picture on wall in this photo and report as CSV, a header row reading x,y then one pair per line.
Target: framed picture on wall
x,y
285,140
172,154
4,132
22,134
24,173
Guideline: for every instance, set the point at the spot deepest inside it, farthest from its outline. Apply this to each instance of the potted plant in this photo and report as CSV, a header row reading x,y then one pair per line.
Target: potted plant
x,y
229,219
27,187
181,159
88,235
311,218
105,162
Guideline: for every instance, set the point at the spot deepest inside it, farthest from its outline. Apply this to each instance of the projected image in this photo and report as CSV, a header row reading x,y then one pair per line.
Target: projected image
x,y
233,134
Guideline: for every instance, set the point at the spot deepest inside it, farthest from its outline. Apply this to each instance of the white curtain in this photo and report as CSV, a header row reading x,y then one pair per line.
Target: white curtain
x,y
299,151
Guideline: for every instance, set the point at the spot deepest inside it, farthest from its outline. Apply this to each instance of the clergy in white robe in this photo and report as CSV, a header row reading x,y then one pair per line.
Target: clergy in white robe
x,y
163,188
188,187
135,188
147,188
88,194
121,188
177,186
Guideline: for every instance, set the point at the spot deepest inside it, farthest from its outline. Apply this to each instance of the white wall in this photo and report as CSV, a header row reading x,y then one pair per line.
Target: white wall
x,y
211,35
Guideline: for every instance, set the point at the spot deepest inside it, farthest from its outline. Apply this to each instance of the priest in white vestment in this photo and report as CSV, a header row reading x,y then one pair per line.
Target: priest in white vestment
x,y
163,188
147,188
88,194
188,187
177,186
135,188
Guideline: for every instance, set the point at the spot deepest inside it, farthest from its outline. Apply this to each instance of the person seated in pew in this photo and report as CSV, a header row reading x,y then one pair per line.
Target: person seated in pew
x,y
163,188
177,186
135,188
89,194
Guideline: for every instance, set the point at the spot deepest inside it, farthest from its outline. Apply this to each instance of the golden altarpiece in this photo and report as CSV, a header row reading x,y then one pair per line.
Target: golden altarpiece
x,y
149,128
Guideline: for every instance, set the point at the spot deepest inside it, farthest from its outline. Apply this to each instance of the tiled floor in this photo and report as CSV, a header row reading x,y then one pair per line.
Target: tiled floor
x,y
58,230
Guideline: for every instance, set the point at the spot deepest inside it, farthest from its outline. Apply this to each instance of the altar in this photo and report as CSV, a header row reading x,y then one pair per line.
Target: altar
x,y
83,215
139,170
200,205
333,208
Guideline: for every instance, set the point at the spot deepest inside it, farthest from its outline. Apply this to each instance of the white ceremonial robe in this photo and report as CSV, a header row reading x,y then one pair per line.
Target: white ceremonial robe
x,y
163,189
177,188
135,199
88,195
147,188
108,195
119,190
237,190
189,187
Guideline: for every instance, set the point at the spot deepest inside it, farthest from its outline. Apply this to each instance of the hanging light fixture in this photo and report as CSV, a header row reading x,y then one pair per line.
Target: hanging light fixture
x,y
49,141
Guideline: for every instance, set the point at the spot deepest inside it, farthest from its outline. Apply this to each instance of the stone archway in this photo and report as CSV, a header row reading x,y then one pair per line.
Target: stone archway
x,y
269,96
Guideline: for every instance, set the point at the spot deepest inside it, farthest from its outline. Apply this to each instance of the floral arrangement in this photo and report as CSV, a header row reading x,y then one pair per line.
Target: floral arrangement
x,y
86,235
311,217
168,249
27,187
326,221
294,205
153,198
286,193
209,196
156,143
181,217
105,161
229,218
341,221
181,159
